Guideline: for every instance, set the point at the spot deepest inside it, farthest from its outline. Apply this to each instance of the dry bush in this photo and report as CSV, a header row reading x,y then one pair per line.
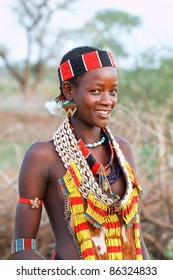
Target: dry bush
x,y
151,138
7,202
155,173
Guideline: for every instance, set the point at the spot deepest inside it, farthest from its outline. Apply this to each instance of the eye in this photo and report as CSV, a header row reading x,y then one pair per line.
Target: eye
x,y
114,91
95,91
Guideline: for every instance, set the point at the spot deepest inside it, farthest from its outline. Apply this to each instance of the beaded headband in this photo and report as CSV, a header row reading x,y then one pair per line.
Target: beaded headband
x,y
80,64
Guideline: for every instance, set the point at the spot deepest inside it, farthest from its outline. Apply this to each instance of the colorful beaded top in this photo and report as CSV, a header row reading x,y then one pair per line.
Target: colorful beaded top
x,y
101,224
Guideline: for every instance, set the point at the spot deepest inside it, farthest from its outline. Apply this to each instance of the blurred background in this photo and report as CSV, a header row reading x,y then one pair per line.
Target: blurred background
x,y
34,35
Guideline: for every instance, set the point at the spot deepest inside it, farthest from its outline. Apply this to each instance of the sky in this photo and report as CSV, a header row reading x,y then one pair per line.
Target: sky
x,y
155,30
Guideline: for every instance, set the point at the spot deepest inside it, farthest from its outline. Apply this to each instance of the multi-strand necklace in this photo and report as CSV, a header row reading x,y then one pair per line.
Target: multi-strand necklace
x,y
69,149
104,181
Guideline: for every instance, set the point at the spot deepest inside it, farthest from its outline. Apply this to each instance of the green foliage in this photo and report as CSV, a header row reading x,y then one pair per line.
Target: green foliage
x,y
149,150
8,86
105,30
112,18
169,249
149,89
11,153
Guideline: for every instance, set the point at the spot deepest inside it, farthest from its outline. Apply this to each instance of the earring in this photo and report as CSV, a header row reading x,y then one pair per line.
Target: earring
x,y
69,108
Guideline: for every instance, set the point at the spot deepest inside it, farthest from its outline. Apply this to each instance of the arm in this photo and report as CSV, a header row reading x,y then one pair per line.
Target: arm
x,y
33,180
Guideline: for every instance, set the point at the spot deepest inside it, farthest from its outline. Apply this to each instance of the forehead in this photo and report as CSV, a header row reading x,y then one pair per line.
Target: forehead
x,y
80,64
100,74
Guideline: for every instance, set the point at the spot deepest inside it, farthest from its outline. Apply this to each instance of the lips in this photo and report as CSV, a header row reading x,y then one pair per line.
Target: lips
x,y
103,113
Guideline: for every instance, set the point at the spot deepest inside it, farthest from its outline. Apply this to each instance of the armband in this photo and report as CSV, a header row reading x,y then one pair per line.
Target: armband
x,y
35,202
22,244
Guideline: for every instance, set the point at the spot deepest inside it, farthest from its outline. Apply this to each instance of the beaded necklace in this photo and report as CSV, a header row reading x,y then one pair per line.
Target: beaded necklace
x,y
97,168
94,145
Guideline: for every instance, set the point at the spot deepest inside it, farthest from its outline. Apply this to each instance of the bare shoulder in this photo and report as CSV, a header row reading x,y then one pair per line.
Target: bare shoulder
x,y
36,164
126,149
124,145
40,150
40,158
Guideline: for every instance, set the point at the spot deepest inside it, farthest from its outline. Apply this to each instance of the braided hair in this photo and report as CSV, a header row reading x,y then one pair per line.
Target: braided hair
x,y
72,53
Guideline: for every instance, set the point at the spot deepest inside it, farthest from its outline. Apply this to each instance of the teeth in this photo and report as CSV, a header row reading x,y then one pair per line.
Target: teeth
x,y
103,112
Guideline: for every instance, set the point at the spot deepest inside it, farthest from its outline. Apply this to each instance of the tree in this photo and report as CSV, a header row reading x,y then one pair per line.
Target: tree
x,y
106,29
35,17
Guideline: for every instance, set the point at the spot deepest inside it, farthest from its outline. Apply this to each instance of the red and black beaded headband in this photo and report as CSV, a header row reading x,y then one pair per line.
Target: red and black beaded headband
x,y
80,64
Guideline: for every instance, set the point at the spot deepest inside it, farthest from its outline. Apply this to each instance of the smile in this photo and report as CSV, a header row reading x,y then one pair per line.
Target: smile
x,y
103,113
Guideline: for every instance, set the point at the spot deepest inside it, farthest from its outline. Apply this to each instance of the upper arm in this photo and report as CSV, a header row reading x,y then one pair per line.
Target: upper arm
x,y
33,179
34,172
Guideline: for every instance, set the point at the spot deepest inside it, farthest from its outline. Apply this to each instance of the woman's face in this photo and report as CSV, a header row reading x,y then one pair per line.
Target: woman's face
x,y
96,96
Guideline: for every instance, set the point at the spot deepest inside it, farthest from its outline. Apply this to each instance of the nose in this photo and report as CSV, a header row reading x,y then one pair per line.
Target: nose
x,y
108,99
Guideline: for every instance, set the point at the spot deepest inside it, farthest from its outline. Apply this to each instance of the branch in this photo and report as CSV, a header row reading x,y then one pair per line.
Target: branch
x,y
11,69
144,125
155,243
154,221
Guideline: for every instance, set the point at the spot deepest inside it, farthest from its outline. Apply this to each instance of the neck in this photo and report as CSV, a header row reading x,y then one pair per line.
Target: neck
x,y
88,134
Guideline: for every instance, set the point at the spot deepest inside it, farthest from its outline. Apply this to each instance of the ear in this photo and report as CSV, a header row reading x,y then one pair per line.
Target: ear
x,y
67,90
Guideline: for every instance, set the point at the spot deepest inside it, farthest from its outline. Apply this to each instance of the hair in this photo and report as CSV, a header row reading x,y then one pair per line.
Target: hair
x,y
72,53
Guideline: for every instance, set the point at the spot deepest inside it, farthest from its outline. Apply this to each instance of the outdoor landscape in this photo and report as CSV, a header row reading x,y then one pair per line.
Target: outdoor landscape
x,y
144,116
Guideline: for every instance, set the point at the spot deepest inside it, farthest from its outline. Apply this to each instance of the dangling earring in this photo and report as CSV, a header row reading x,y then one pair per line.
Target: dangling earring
x,y
69,108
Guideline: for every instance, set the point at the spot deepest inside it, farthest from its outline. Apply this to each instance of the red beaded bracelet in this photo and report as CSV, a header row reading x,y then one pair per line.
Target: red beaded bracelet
x,y
35,202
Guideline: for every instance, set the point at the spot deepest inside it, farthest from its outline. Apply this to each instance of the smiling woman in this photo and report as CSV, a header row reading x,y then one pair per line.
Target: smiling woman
x,y
85,176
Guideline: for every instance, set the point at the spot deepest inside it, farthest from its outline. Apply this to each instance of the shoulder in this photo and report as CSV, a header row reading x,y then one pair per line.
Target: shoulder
x,y
40,150
126,149
124,145
38,157
34,171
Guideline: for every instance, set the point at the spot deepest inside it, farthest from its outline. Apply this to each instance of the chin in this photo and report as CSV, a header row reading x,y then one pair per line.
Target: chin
x,y
103,124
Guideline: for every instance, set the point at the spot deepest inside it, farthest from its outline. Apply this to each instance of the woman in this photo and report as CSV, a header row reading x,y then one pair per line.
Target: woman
x,y
84,176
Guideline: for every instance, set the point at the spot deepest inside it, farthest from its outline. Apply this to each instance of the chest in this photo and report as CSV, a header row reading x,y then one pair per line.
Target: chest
x,y
111,170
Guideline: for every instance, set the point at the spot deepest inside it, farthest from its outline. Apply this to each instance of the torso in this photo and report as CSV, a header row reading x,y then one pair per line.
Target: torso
x,y
54,200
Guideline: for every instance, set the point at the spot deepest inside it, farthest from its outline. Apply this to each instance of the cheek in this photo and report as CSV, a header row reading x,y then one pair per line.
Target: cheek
x,y
115,101
84,106
86,102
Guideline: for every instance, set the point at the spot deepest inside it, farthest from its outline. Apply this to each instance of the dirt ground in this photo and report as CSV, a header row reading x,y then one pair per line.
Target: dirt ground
x,y
24,127
20,126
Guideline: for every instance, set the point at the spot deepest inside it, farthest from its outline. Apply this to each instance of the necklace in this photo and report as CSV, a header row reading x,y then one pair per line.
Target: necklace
x,y
114,174
98,169
68,149
93,164
100,142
